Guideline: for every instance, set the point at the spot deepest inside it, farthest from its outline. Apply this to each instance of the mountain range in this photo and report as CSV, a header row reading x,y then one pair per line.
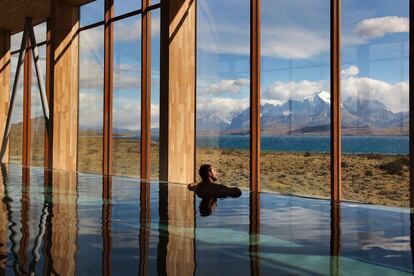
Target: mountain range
x,y
311,115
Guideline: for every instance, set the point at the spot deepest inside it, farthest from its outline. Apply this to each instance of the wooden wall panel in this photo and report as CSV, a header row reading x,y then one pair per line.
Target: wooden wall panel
x,y
65,92
5,65
177,101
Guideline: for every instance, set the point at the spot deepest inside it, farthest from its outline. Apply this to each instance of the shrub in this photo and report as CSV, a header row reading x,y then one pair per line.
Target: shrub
x,y
394,167
368,173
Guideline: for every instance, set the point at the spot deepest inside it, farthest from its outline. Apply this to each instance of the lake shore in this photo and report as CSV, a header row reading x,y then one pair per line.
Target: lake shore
x,y
367,178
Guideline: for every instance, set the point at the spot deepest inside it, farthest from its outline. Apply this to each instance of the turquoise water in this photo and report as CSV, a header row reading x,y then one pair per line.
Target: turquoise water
x,y
350,144
65,224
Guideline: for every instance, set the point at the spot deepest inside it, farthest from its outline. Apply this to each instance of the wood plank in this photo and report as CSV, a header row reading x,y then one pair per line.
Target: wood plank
x,y
5,67
177,99
65,83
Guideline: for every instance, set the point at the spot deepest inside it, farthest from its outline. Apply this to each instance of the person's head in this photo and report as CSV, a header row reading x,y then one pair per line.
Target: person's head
x,y
207,172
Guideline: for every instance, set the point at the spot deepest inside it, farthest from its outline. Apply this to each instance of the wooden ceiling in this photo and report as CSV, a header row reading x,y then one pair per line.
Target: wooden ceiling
x,y
14,12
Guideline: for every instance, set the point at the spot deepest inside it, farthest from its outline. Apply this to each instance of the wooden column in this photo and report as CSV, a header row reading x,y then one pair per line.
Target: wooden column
x,y
108,88
411,103
336,185
177,99
145,90
64,94
255,95
5,65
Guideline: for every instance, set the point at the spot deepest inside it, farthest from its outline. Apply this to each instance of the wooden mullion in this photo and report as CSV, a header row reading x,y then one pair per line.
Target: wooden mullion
x,y
255,95
48,143
336,184
26,144
108,88
411,103
145,172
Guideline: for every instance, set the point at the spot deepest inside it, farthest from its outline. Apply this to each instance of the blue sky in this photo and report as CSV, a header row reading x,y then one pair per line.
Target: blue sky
x,y
295,55
295,52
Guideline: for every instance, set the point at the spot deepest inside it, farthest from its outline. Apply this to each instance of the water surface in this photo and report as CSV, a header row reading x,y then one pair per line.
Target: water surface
x,y
67,224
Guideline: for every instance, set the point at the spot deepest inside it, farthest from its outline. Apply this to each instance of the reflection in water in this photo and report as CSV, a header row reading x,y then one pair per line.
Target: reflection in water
x,y
254,234
106,225
40,231
3,223
335,238
144,229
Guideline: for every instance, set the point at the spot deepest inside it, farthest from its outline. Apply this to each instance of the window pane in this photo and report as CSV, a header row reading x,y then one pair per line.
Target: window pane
x,y
92,12
295,98
16,130
91,68
155,91
37,117
126,6
223,122
127,97
375,102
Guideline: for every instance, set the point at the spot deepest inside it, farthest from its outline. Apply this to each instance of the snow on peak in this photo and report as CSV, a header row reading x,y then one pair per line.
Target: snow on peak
x,y
325,96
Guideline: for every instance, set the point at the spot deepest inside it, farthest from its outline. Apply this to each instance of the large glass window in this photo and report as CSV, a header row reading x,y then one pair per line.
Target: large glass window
x,y
37,126
127,97
295,97
155,91
375,101
222,120
91,75
16,129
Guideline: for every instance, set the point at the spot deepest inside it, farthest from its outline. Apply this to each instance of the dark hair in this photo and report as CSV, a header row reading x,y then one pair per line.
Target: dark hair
x,y
204,170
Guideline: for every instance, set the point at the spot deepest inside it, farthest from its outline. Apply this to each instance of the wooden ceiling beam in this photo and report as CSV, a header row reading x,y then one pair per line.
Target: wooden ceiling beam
x,y
14,12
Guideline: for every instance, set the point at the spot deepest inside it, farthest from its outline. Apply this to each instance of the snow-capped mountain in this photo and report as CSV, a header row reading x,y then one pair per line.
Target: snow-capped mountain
x,y
309,114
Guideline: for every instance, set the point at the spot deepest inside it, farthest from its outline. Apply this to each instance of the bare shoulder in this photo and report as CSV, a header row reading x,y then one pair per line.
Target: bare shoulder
x,y
192,186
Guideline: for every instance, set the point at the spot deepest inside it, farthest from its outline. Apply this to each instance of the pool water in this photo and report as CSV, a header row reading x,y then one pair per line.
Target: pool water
x,y
66,224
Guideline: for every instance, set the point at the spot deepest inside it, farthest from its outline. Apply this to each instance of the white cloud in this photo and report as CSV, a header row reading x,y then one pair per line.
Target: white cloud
x,y
225,108
283,91
127,113
290,39
90,111
393,95
126,76
92,40
294,42
287,42
350,71
379,27
225,86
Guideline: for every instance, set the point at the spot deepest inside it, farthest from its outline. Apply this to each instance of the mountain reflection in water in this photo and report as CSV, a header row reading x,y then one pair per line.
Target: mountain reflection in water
x,y
66,224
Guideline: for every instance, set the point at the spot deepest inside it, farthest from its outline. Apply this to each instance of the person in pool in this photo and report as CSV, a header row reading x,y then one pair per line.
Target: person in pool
x,y
210,191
